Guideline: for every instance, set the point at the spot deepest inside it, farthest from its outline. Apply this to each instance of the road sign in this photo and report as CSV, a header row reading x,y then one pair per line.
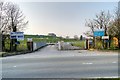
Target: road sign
x,y
99,32
17,35
105,37
89,37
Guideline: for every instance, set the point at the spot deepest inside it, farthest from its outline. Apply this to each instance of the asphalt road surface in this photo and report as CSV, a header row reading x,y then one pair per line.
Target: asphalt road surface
x,y
51,63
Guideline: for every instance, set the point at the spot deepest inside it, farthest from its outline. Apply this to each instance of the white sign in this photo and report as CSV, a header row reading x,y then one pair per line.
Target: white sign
x,y
105,37
99,30
29,39
17,35
89,37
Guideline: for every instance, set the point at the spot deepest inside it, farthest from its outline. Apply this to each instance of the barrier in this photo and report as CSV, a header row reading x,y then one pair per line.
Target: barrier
x,y
38,45
66,46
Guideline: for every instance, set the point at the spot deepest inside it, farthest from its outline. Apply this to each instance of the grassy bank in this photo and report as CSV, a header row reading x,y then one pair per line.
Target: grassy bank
x,y
80,44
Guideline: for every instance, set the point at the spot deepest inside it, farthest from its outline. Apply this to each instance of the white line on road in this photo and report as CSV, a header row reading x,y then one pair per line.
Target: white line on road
x,y
14,66
114,62
105,77
87,63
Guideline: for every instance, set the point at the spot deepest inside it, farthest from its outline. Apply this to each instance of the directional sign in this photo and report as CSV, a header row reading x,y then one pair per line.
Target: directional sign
x,y
17,35
99,33
105,37
89,37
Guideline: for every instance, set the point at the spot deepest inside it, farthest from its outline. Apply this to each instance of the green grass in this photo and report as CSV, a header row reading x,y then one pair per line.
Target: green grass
x,y
23,44
80,44
48,39
2,53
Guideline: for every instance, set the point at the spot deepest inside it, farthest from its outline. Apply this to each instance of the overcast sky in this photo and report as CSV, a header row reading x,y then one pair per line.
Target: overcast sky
x,y
61,18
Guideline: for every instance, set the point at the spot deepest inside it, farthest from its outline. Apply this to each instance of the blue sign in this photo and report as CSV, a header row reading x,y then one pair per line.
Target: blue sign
x,y
107,41
17,35
99,33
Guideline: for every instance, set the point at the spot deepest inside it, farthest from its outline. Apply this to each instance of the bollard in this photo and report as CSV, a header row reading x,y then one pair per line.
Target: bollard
x,y
59,46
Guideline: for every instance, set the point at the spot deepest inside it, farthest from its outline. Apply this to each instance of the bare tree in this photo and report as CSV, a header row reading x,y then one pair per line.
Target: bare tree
x,y
17,19
11,19
3,17
103,21
3,21
92,25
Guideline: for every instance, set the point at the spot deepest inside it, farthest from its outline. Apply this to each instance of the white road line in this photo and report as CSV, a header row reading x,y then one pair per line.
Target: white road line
x,y
87,63
106,77
14,66
114,62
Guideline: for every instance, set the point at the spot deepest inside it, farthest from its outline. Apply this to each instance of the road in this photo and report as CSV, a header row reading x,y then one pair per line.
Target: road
x,y
51,63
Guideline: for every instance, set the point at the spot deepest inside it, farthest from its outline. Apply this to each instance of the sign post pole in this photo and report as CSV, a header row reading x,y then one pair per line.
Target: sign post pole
x,y
1,42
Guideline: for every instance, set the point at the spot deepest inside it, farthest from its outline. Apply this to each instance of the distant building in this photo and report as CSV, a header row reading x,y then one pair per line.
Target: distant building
x,y
67,37
52,34
76,37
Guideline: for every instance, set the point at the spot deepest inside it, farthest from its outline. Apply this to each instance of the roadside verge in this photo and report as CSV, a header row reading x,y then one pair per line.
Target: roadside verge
x,y
5,54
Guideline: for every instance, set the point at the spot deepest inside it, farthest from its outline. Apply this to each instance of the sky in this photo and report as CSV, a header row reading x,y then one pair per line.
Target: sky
x,y
61,18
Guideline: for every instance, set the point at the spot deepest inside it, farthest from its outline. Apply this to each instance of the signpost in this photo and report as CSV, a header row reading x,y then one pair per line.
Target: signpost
x,y
105,37
17,35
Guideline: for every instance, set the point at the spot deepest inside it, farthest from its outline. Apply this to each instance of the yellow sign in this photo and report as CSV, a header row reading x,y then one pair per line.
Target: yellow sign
x,y
115,41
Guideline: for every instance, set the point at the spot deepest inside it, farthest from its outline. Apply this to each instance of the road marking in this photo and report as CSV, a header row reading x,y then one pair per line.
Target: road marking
x,y
105,77
87,63
14,66
114,62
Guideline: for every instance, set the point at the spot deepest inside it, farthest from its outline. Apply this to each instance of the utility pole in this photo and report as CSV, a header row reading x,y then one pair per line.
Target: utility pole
x,y
1,41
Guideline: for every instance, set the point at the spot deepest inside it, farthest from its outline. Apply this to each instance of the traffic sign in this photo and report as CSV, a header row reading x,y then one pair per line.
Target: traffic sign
x,y
89,37
17,35
99,33
105,37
